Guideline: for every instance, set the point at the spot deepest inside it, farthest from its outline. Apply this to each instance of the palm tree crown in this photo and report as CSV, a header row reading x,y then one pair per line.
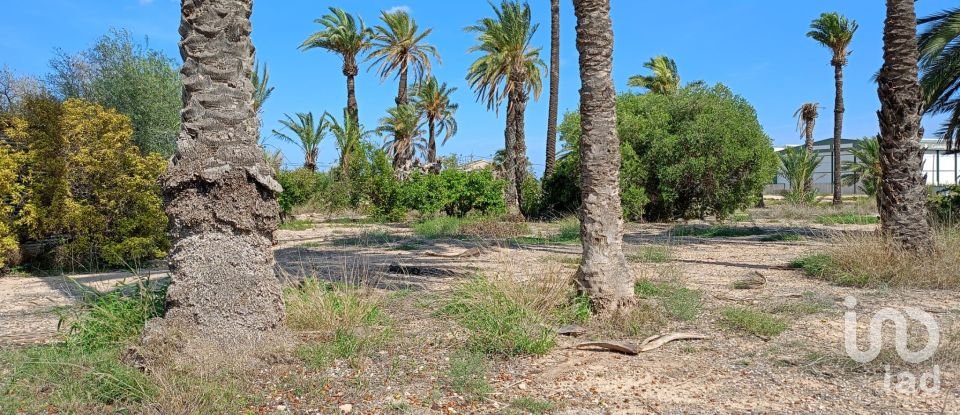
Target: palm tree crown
x,y
342,34
307,134
348,135
508,61
940,70
665,79
402,126
433,102
834,31
398,47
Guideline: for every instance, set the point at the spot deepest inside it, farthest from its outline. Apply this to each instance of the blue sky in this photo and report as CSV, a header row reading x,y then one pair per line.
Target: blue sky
x,y
758,48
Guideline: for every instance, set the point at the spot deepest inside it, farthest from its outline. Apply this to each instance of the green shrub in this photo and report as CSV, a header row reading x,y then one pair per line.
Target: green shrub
x,y
112,319
945,205
467,375
301,186
454,192
87,186
440,227
699,152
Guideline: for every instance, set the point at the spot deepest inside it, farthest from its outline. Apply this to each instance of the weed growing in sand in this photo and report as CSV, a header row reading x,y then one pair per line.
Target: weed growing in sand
x,y
652,254
466,375
752,321
680,302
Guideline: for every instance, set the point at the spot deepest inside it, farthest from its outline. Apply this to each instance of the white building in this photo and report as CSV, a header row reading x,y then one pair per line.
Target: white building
x,y
940,166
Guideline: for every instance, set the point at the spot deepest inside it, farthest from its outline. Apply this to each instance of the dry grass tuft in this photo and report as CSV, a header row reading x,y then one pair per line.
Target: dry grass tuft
x,y
868,260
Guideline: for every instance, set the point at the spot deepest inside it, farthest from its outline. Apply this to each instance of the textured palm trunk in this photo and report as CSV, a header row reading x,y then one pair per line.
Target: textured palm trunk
x,y
520,146
432,142
350,71
837,131
808,136
219,192
902,190
402,98
603,273
511,196
551,158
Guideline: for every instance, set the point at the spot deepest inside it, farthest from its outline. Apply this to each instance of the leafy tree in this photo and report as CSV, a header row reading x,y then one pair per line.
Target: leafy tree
x,y
433,102
99,197
696,153
798,165
903,193
348,37
139,82
15,89
509,68
11,190
940,70
307,134
835,32
398,47
665,79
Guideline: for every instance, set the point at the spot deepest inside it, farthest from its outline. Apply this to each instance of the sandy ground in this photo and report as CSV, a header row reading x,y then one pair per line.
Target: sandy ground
x,y
803,370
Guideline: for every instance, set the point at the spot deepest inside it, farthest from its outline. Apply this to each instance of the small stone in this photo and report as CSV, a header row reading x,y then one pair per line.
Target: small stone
x,y
346,408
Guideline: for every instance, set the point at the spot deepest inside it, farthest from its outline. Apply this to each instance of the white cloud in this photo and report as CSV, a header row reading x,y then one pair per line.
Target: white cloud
x,y
395,9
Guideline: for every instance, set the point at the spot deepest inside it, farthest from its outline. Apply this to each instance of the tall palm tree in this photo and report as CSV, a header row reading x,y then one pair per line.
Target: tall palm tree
x,y
218,190
347,36
834,31
903,211
665,79
940,71
603,274
398,47
551,158
349,135
433,102
510,69
865,168
307,134
402,126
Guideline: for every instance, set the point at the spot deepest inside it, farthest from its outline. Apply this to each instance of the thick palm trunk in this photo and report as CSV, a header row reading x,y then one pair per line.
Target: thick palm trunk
x,y
551,158
808,135
432,143
520,147
837,131
511,195
902,190
219,192
402,98
603,273
350,70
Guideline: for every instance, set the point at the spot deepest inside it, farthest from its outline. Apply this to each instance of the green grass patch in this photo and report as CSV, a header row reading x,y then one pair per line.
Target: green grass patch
x,y
567,233
466,375
680,302
783,237
848,219
752,321
440,227
823,267
717,231
531,406
498,325
296,225
652,254
372,238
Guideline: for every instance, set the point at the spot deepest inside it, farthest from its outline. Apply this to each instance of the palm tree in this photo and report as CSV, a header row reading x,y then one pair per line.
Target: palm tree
x,y
940,68
219,191
551,158
402,126
307,134
865,168
835,32
433,102
349,135
261,87
903,211
806,117
603,274
797,166
347,36
509,68
665,79
399,48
